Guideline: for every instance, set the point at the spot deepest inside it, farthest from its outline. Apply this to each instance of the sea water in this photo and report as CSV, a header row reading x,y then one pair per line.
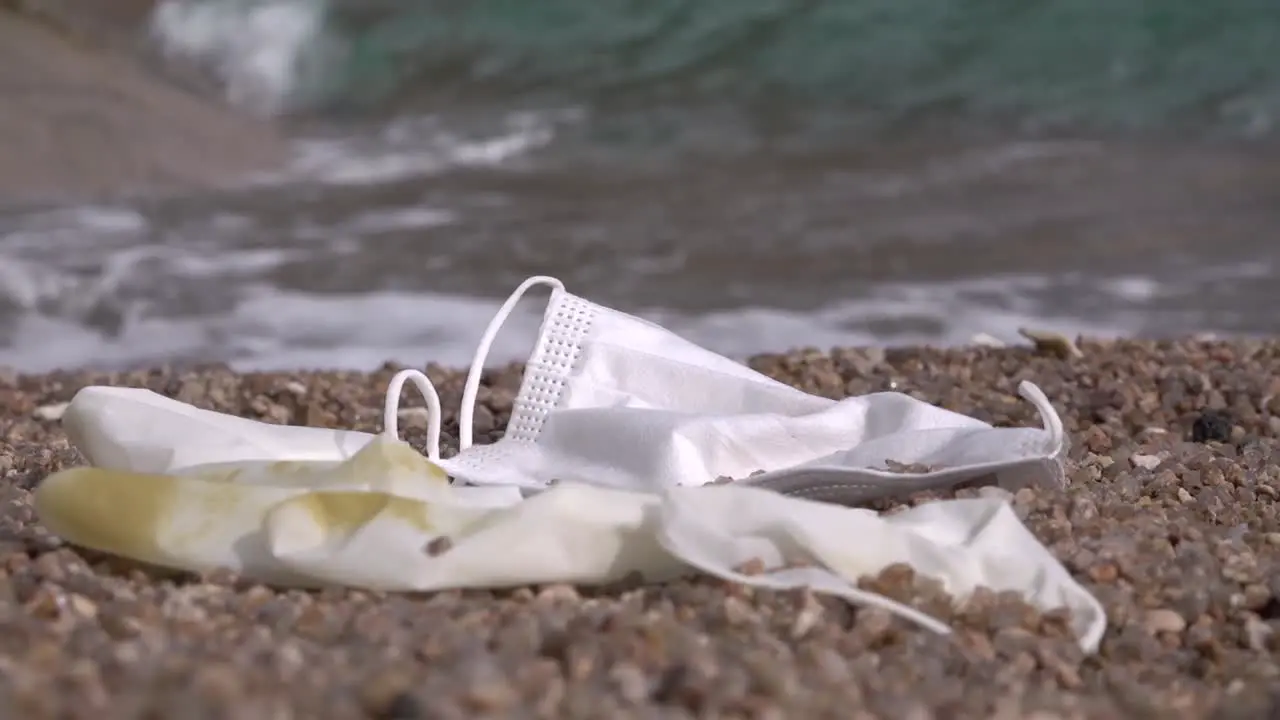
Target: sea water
x,y
756,174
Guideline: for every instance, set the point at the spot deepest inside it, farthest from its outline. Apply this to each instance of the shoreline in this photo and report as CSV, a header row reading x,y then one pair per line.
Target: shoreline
x,y
1179,540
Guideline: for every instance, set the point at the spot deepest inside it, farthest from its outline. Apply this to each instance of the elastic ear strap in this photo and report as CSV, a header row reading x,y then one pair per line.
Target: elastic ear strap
x,y
391,406
1048,415
472,388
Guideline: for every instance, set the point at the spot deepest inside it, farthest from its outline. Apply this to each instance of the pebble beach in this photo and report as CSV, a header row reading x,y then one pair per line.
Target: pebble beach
x,y
1169,517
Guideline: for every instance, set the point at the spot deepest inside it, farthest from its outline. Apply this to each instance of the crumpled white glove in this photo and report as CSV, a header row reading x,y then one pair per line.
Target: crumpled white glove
x,y
387,518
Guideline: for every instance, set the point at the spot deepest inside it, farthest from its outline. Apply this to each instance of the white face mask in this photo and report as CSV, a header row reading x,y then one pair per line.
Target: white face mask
x,y
607,400
612,400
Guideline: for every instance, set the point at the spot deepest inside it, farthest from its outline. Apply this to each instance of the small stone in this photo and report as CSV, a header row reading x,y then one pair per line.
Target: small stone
x,y
82,606
1097,440
1104,572
51,413
296,388
414,417
1163,620
439,545
490,694
403,706
388,695
902,468
119,625
1051,343
806,619
1256,596
482,421
219,680
1211,425
1184,496
221,577
1257,633
995,492
631,682
865,361
736,611
270,411
1146,462
44,604
559,593
874,623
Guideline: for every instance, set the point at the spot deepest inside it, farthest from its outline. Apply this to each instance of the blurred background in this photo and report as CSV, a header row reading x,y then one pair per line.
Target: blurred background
x,y
335,183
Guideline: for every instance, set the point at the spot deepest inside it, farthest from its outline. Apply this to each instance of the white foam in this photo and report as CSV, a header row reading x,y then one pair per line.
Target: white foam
x,y
292,330
384,221
271,57
63,274
1133,288
262,50
40,342
71,229
98,218
25,285
411,147
270,329
274,330
940,314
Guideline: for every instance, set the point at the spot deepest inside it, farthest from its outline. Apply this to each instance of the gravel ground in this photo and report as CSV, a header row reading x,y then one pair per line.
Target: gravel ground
x,y
1170,519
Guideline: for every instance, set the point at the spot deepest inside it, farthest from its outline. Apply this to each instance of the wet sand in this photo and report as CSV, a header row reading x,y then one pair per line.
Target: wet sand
x,y
83,120
1178,538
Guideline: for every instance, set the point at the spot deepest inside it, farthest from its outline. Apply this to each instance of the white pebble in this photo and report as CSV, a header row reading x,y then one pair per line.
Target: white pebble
x,y
1164,620
985,340
995,492
414,416
52,412
1146,462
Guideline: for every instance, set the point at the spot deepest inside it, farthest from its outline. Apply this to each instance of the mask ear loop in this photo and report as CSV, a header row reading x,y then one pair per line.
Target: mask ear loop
x,y
1052,424
472,387
1049,418
390,420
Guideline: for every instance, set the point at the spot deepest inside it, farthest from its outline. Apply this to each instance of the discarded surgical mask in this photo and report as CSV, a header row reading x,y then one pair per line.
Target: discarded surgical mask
x,y
611,399
636,422
386,518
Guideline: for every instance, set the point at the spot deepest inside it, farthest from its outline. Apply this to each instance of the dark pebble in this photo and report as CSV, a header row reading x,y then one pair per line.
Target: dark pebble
x,y
1211,426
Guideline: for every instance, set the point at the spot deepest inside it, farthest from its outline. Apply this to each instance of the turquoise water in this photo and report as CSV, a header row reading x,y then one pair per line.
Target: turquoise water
x,y
754,174
1026,64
